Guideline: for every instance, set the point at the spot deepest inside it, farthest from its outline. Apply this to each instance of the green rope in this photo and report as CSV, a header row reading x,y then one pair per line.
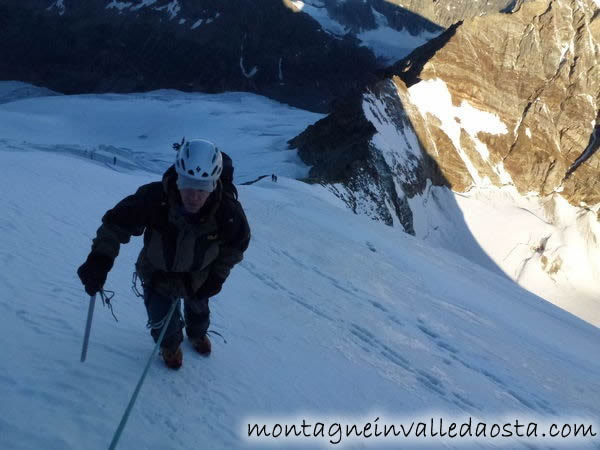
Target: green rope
x,y
117,435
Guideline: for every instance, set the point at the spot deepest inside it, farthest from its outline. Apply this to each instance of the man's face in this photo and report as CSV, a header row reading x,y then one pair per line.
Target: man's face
x,y
193,199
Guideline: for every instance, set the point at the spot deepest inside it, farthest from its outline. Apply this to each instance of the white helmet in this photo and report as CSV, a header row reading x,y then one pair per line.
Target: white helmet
x,y
199,164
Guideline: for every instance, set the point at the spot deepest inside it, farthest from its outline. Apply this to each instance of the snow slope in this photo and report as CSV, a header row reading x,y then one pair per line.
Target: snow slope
x,y
17,90
386,42
139,128
550,247
329,317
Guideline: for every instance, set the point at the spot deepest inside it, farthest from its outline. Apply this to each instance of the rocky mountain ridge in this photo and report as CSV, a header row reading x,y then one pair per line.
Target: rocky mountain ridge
x,y
447,12
516,107
208,46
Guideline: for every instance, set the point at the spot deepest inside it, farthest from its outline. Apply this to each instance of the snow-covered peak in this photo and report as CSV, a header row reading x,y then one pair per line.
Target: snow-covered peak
x,y
11,91
172,9
387,42
120,5
144,3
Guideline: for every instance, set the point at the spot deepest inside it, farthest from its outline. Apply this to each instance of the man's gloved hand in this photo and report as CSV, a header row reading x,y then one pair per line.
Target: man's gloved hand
x,y
211,287
172,284
93,272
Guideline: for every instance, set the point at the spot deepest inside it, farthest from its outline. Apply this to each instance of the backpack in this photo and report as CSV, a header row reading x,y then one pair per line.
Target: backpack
x,y
227,176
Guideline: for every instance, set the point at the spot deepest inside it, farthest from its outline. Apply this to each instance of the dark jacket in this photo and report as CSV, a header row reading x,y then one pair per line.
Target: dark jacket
x,y
206,244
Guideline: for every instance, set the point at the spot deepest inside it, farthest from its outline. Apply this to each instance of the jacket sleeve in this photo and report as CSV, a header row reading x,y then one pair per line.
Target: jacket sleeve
x,y
128,218
235,237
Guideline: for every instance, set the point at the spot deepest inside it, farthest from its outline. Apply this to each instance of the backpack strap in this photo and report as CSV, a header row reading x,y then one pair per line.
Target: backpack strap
x,y
227,176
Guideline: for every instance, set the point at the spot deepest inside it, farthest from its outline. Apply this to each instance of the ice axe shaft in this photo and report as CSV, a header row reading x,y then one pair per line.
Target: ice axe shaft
x,y
88,326
117,435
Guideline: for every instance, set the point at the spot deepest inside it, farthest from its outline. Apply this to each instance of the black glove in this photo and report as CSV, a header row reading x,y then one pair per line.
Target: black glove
x,y
176,284
93,272
211,287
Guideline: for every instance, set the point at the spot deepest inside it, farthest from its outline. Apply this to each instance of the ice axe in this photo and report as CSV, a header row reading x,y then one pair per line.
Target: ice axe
x,y
88,326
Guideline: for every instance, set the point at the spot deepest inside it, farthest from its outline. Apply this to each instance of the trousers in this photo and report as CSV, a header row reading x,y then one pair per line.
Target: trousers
x,y
196,317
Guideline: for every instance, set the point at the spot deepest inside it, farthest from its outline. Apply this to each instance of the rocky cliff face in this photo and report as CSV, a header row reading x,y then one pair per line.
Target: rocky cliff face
x,y
538,76
518,105
448,12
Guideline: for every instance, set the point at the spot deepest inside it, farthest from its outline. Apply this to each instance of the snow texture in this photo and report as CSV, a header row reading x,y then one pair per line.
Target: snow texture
x,y
119,5
16,90
144,3
172,8
59,5
386,42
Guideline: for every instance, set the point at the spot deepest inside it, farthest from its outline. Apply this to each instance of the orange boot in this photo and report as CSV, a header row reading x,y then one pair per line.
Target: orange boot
x,y
173,357
202,345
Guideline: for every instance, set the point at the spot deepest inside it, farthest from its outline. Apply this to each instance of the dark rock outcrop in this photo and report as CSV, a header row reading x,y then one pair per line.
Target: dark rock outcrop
x,y
209,46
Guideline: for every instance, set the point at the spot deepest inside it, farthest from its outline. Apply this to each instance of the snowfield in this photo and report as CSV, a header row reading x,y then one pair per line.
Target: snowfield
x,y
330,317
